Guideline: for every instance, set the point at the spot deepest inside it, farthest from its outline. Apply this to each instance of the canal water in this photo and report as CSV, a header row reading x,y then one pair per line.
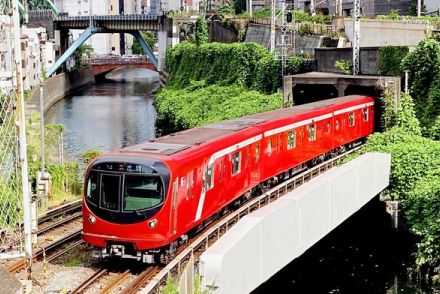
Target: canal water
x,y
110,114
363,255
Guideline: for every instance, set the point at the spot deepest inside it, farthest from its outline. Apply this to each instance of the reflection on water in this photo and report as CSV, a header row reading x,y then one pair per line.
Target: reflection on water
x,y
108,115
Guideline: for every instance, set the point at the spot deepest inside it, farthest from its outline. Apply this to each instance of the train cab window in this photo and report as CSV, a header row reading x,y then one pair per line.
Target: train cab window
x,y
351,119
365,114
110,187
269,147
142,192
291,140
236,164
92,188
312,132
209,176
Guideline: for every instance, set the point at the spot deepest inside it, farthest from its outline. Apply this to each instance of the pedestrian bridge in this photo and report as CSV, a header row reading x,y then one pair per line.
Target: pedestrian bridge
x,y
265,241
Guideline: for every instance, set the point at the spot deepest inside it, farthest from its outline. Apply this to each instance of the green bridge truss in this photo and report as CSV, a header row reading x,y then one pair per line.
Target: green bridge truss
x,y
5,5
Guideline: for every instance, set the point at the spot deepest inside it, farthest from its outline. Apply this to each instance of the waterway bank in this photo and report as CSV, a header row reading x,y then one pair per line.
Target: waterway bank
x,y
57,87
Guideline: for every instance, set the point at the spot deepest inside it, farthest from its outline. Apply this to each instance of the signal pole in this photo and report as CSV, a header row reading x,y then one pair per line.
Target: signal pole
x,y
356,35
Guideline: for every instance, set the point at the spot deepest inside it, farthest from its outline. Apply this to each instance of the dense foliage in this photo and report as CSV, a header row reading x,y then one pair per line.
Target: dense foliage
x,y
202,35
424,80
200,104
245,64
390,59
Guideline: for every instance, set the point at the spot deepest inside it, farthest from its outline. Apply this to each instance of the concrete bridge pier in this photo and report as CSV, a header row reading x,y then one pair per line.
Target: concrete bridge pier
x,y
168,35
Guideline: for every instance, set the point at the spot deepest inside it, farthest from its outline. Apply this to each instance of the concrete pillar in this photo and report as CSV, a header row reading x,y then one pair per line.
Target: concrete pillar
x,y
162,37
287,91
341,90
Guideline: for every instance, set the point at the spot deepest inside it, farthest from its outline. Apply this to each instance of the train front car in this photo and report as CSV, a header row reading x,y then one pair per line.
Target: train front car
x,y
122,199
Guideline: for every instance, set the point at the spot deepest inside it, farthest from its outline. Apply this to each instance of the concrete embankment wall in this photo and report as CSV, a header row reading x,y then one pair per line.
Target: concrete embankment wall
x,y
376,32
369,59
57,87
261,34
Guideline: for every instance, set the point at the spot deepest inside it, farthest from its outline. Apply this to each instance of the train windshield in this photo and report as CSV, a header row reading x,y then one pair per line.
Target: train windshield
x,y
142,192
133,192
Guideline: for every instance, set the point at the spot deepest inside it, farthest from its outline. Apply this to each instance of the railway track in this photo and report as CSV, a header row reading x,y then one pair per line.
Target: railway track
x,y
22,263
214,231
55,219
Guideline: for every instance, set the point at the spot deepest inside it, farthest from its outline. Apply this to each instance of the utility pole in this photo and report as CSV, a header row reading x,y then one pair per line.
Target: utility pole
x,y
22,130
356,35
419,8
273,26
312,7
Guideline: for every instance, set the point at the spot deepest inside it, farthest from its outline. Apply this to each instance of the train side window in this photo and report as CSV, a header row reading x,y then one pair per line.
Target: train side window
x,y
312,132
365,114
269,147
328,127
351,119
209,176
236,163
337,124
291,140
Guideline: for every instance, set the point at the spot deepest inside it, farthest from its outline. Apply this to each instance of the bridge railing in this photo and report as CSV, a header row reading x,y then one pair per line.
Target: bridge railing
x,y
118,60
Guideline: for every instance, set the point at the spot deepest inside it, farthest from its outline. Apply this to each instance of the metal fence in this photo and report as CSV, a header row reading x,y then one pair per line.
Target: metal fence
x,y
11,206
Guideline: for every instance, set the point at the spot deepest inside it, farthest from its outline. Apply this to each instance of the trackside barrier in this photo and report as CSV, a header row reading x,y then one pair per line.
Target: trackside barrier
x,y
267,240
205,240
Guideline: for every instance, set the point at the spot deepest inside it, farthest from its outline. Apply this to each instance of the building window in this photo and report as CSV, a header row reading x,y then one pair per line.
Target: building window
x,y
209,176
236,163
351,119
312,132
365,114
291,140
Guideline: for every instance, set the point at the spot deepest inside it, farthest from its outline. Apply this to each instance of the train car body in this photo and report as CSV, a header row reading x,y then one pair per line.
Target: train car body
x,y
141,199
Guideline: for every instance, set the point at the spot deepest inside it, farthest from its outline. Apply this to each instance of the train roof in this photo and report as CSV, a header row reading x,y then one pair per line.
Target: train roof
x,y
177,142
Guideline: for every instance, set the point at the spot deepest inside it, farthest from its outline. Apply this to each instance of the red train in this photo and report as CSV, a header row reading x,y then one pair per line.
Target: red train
x,y
142,201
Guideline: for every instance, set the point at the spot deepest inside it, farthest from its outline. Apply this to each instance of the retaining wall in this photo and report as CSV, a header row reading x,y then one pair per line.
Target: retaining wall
x,y
57,87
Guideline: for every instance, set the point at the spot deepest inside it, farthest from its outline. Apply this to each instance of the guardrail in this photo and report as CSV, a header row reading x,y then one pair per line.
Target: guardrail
x,y
300,27
202,242
118,60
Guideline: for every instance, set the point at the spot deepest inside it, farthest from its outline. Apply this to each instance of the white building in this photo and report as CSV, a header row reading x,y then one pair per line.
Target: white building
x,y
103,44
38,55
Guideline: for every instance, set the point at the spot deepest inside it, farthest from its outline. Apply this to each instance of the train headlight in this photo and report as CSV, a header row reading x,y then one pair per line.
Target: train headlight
x,y
152,223
92,219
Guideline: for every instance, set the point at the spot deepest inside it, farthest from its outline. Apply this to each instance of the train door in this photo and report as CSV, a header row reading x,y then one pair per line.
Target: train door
x,y
255,164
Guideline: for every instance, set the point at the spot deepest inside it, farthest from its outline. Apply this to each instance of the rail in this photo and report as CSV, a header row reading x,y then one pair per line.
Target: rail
x,y
202,242
60,210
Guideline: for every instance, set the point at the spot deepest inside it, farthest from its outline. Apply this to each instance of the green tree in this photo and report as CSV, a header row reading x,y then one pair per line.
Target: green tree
x,y
424,79
202,35
83,51
148,37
